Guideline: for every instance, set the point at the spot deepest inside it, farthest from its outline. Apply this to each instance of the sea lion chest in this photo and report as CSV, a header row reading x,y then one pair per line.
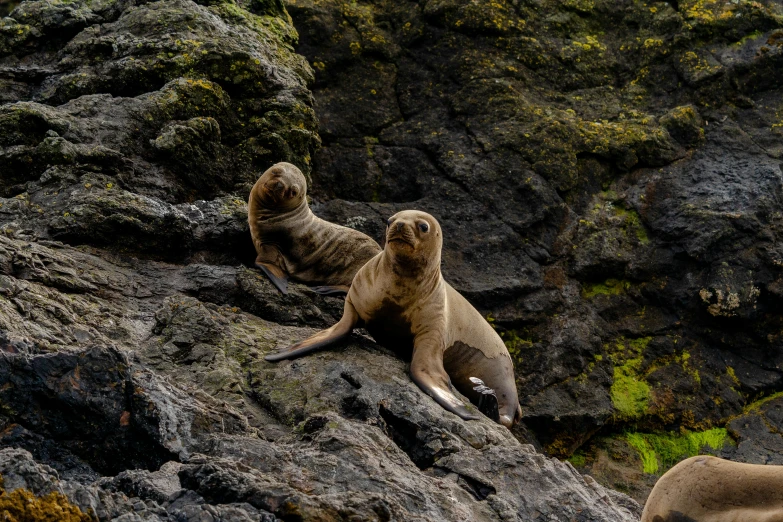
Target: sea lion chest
x,y
390,325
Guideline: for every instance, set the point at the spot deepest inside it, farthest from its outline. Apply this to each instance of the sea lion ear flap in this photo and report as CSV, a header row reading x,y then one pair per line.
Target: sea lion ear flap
x,y
428,373
267,261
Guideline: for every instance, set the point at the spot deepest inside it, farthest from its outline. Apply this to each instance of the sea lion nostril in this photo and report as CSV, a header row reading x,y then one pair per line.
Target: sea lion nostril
x,y
399,227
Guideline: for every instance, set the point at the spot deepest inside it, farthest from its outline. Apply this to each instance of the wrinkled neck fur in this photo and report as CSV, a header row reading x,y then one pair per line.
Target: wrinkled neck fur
x,y
425,279
272,215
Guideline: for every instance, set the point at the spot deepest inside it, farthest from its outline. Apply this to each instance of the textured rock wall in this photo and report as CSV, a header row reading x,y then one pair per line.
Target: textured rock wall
x,y
608,177
132,334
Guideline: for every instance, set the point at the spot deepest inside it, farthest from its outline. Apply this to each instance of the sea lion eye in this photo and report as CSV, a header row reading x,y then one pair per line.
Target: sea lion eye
x,y
424,227
389,222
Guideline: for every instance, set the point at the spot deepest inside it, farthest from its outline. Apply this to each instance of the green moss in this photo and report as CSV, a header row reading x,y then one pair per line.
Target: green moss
x,y
630,396
638,345
608,287
632,223
661,451
578,459
515,343
649,460
756,405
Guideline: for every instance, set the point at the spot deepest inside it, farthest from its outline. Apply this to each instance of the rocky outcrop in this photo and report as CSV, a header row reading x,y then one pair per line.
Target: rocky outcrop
x,y
132,382
608,178
172,411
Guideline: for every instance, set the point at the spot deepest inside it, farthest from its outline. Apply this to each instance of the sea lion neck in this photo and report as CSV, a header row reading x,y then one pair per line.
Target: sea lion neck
x,y
411,273
272,215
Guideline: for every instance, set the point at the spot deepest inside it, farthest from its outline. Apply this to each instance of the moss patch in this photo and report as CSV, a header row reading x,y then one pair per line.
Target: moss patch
x,y
578,459
661,451
608,287
630,394
756,405
22,506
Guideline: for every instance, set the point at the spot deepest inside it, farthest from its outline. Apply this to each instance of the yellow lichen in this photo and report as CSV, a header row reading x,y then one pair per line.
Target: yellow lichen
x,y
22,505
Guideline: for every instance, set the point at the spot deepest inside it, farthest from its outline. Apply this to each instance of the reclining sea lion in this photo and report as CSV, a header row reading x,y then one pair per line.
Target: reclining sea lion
x,y
405,304
709,489
292,242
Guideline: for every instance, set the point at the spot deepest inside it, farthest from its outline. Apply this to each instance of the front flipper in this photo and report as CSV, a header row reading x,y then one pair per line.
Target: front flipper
x,y
428,374
270,261
336,290
321,339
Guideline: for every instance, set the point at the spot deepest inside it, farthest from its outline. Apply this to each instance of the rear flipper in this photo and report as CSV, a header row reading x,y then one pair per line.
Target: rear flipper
x,y
487,401
336,290
428,374
321,339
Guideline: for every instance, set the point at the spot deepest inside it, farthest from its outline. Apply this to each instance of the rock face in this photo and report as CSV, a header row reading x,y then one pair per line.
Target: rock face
x,y
131,333
135,399
608,177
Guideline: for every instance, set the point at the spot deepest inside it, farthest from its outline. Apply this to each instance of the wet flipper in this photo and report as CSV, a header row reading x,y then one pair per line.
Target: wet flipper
x,y
322,339
428,374
487,402
269,262
335,291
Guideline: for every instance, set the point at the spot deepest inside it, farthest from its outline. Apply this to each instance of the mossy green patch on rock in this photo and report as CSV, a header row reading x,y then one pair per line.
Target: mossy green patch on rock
x,y
756,405
515,343
661,451
608,287
630,396
629,392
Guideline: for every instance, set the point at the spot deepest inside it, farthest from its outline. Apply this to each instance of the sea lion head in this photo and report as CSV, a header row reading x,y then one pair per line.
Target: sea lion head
x,y
282,187
414,240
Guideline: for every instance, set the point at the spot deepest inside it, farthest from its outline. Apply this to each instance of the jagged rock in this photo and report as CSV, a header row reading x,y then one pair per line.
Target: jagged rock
x,y
606,175
608,180
97,405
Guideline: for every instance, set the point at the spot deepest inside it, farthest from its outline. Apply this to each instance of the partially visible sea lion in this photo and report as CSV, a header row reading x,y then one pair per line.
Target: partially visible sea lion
x,y
709,489
292,242
402,299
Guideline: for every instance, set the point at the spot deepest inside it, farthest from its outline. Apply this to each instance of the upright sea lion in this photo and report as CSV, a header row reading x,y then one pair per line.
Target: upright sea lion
x,y
293,242
401,298
709,489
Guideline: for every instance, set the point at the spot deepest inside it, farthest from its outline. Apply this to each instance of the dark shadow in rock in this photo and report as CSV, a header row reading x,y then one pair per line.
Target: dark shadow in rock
x,y
407,436
89,403
68,465
478,489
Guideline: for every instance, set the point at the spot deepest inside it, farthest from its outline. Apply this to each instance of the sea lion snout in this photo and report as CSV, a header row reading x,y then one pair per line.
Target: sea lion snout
x,y
282,186
414,227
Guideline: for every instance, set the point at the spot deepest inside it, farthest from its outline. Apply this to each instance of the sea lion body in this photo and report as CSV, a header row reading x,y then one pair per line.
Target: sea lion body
x,y
292,242
406,305
709,489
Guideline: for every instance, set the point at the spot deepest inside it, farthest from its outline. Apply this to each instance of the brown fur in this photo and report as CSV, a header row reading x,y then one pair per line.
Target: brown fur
x,y
709,489
403,300
292,242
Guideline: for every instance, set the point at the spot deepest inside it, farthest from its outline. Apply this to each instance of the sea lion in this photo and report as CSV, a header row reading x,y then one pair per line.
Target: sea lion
x,y
402,299
709,489
292,242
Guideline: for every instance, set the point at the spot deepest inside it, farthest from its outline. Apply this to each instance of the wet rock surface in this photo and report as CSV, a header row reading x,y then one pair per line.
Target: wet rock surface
x,y
132,329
